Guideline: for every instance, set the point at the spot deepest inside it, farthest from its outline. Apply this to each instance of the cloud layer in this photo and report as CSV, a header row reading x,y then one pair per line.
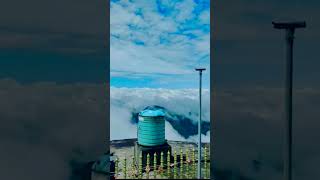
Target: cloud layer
x,y
49,129
125,101
248,133
45,137
158,40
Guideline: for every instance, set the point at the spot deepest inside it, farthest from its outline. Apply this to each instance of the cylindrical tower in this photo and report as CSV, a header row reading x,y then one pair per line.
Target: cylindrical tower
x,y
151,135
151,127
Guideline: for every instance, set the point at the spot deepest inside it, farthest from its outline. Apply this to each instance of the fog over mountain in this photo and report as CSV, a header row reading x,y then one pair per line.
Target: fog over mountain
x,y
249,133
181,107
50,140
248,126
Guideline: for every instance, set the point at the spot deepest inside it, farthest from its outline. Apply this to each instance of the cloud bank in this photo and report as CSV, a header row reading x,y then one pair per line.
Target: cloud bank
x,y
50,130
248,133
125,101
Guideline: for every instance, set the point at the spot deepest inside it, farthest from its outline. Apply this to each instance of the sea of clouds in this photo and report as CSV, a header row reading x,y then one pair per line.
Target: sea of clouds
x,y
185,102
51,129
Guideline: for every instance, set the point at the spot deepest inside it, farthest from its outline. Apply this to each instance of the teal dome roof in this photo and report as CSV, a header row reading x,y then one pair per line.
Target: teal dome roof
x,y
153,111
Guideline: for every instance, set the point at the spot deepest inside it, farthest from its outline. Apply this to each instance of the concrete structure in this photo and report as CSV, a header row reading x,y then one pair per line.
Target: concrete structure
x,y
145,150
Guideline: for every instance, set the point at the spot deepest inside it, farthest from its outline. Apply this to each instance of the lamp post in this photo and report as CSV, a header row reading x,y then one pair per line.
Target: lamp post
x,y
290,28
199,123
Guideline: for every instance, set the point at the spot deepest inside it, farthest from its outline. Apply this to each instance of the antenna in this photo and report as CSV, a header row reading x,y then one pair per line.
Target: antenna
x,y
199,123
290,28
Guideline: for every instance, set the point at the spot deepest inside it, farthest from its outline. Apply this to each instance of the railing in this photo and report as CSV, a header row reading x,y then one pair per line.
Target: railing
x,y
183,168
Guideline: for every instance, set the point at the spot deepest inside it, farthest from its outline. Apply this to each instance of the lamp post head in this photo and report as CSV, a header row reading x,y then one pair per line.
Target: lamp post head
x,y
289,25
200,69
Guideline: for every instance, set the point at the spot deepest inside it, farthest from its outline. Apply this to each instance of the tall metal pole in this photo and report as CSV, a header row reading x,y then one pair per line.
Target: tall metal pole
x,y
288,98
199,123
290,28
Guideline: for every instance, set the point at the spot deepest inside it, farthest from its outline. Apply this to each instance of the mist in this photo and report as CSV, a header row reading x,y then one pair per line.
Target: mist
x,y
179,102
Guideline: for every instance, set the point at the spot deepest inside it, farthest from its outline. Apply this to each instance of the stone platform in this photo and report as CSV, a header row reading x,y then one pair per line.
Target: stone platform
x,y
151,150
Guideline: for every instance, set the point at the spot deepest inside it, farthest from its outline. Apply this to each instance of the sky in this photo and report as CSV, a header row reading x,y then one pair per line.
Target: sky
x,y
159,43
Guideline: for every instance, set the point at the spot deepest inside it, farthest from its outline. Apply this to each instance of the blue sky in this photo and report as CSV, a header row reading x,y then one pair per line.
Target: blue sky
x,y
158,44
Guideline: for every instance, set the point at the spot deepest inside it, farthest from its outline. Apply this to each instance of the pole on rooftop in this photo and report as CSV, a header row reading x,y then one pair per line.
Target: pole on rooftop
x,y
199,123
290,29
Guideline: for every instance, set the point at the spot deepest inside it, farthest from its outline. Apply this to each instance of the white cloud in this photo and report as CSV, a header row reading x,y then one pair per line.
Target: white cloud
x,y
185,10
205,17
132,58
151,42
123,101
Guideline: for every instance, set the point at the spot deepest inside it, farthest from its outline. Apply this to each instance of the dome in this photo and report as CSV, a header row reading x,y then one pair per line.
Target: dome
x,y
152,111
